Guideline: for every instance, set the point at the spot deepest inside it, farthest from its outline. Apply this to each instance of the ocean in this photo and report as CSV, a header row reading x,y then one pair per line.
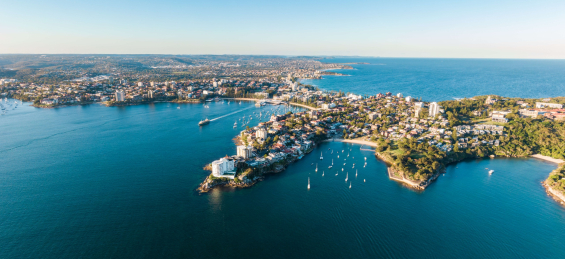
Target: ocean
x,y
447,79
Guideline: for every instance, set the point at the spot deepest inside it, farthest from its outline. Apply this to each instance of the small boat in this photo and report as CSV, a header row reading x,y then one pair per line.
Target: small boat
x,y
329,167
337,156
321,156
364,180
365,158
342,169
349,185
490,172
322,173
336,174
308,183
204,122
178,108
316,167
332,161
346,176
355,173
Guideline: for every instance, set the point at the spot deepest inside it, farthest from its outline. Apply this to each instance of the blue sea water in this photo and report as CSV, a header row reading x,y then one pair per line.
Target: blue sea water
x,y
446,79
119,182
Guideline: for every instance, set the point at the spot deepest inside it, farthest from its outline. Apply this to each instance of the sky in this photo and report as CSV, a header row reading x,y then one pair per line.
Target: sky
x,y
402,28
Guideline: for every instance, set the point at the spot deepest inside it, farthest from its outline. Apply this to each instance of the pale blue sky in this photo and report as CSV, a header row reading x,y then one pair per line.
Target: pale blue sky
x,y
465,29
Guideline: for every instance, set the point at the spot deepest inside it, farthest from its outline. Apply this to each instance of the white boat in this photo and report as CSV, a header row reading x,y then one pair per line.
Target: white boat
x,y
178,108
364,180
346,176
316,167
322,173
355,173
321,156
332,161
308,183
349,185
342,169
337,156
490,172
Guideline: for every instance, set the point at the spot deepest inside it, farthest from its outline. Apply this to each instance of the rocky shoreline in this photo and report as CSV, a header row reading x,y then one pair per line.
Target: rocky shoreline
x,y
556,195
243,181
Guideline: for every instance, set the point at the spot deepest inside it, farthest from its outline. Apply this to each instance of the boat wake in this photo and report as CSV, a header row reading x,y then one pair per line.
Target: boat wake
x,y
231,113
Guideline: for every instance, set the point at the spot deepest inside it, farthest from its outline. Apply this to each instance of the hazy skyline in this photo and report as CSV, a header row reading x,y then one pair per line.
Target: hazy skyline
x,y
470,29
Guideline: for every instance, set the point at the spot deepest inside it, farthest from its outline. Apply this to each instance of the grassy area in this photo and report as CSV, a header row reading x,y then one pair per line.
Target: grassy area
x,y
488,121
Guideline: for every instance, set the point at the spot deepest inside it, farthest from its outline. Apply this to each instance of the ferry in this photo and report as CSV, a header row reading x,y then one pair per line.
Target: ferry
x,y
204,122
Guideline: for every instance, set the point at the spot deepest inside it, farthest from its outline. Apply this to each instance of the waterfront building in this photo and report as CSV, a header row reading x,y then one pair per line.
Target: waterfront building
x,y
244,152
434,109
261,134
408,99
419,104
223,167
120,96
541,105
399,95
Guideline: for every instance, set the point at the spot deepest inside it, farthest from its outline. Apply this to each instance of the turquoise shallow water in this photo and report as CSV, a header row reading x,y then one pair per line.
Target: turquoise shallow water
x,y
118,182
445,79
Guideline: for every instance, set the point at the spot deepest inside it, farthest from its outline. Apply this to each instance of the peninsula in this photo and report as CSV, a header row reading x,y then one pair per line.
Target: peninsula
x,y
416,139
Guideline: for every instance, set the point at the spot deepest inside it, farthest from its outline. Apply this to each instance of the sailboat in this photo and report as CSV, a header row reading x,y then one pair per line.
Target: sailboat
x,y
321,156
349,185
322,173
332,161
308,183
365,158
355,173
342,169
316,167
337,156
490,172
346,176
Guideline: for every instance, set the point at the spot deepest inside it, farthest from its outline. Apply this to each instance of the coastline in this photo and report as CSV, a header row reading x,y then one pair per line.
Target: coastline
x,y
254,99
547,158
556,195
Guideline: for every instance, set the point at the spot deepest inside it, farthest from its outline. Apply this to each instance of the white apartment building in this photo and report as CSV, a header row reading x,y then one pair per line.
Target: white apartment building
x,y
120,96
244,152
434,109
261,134
223,168
549,105
328,106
